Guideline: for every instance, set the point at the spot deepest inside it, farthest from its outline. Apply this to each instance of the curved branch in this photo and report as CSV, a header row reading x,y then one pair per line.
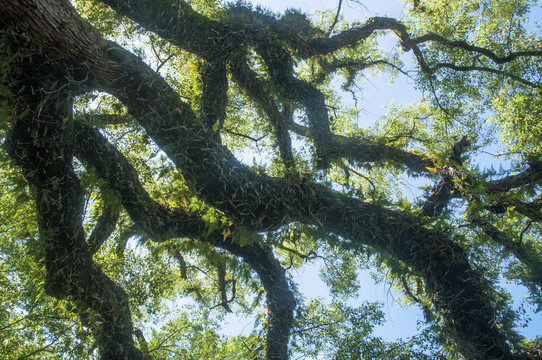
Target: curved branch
x,y
440,196
281,68
438,66
521,251
182,264
36,141
123,240
454,182
305,40
162,224
477,49
104,119
364,150
325,46
531,175
332,26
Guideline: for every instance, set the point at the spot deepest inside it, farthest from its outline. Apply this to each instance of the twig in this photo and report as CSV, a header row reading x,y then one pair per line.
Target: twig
x,y
336,18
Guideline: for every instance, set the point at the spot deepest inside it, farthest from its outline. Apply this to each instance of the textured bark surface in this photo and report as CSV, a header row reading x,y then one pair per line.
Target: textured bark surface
x,y
40,144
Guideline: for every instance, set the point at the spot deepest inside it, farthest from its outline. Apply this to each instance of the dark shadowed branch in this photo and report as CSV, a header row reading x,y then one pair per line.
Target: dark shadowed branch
x,y
162,224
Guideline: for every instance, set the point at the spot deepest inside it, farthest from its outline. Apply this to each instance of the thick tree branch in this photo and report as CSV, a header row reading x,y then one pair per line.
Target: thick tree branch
x,y
440,196
455,182
304,39
279,60
104,119
281,67
162,224
214,94
39,144
362,150
123,238
315,45
182,264
532,210
176,21
280,300
454,287
522,251
531,175
452,182
276,58
460,183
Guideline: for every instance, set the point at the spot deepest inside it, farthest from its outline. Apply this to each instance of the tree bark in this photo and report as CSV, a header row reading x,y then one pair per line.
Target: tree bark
x,y
40,143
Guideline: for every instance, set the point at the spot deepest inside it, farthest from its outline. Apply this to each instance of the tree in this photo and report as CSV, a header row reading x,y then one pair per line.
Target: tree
x,y
121,189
